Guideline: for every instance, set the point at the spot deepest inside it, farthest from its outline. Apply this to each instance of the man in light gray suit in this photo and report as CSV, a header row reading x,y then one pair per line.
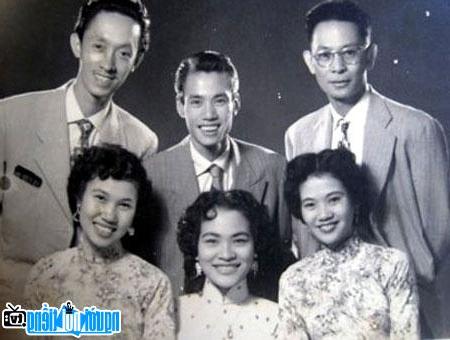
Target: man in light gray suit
x,y
207,98
41,131
404,149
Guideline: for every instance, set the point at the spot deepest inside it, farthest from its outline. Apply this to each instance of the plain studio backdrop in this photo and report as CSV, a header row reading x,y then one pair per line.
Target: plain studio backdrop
x,y
264,38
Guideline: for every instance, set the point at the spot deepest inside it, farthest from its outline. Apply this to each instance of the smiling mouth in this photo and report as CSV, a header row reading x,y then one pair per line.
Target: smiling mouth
x,y
104,77
227,269
104,230
209,129
327,228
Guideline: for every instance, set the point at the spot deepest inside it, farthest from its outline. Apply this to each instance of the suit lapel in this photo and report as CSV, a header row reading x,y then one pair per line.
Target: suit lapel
x,y
111,129
52,146
250,169
183,180
319,135
379,141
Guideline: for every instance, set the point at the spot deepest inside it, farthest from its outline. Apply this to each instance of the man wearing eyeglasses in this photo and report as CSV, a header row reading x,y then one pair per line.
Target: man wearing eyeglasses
x,y
403,149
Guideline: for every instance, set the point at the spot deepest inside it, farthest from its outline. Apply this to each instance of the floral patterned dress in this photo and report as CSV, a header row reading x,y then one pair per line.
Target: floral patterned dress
x,y
113,279
210,315
362,291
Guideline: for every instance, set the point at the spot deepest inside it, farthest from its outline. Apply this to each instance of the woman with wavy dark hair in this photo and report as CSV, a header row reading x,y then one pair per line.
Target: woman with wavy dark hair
x,y
222,235
108,194
350,289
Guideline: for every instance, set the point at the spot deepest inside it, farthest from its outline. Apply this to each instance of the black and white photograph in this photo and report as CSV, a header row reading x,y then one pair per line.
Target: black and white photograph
x,y
225,169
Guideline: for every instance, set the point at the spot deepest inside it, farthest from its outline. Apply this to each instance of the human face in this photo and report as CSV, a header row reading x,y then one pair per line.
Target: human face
x,y
106,53
327,209
107,210
342,83
226,249
208,107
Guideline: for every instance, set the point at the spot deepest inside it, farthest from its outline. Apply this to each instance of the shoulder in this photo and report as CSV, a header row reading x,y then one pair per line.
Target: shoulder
x,y
30,100
386,258
297,272
305,122
163,159
52,265
260,153
144,271
136,128
408,118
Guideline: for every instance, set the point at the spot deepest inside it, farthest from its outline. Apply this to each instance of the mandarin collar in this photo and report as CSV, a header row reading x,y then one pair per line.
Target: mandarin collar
x,y
236,295
99,255
348,251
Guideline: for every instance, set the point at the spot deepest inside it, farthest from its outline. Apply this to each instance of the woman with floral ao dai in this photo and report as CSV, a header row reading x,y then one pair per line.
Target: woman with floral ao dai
x,y
108,195
221,234
349,289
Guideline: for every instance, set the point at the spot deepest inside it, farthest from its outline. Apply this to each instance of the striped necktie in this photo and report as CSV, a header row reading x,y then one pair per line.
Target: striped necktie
x,y
217,177
344,142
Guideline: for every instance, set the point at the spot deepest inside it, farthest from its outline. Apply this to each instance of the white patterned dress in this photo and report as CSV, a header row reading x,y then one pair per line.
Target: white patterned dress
x,y
362,291
114,279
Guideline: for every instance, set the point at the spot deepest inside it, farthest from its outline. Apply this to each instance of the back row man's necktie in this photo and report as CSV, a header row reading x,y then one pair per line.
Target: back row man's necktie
x,y
343,141
217,177
86,128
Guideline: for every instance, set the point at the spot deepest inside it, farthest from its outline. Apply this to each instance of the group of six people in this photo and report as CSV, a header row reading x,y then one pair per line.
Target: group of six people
x,y
83,189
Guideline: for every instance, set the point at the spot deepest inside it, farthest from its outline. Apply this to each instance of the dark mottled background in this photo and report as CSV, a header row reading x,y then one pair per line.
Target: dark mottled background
x,y
263,38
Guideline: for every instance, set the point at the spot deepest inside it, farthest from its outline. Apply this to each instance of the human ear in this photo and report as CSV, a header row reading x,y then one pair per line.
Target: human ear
x,y
180,104
75,44
307,58
372,53
236,103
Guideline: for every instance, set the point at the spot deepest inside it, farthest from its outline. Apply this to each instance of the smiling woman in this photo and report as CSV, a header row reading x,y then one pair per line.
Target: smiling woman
x,y
221,236
350,289
108,194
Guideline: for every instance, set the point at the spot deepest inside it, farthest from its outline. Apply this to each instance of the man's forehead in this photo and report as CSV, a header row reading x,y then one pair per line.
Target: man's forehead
x,y
207,81
335,34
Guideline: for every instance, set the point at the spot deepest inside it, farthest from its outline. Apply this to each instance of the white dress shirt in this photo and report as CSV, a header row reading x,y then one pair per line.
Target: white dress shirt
x,y
74,114
227,161
356,118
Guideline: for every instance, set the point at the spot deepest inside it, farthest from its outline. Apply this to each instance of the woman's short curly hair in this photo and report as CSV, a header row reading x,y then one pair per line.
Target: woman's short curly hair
x,y
203,209
111,161
339,163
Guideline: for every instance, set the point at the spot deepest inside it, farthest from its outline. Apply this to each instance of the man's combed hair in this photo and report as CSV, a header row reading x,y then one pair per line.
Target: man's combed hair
x,y
340,10
134,9
205,61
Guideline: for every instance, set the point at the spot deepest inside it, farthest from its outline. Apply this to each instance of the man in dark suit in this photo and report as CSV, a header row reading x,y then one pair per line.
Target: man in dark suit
x,y
41,131
404,149
207,98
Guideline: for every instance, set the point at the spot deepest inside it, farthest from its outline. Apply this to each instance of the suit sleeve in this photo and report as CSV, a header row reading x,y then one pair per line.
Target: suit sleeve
x,y
429,162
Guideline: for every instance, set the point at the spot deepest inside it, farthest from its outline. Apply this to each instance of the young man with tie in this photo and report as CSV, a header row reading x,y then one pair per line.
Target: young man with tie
x,y
207,98
41,132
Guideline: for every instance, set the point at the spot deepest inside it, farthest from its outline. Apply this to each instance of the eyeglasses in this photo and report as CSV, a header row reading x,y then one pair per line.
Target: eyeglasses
x,y
350,55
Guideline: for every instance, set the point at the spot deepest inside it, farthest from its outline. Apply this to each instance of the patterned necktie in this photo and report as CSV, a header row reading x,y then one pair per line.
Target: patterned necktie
x,y
217,176
344,142
86,128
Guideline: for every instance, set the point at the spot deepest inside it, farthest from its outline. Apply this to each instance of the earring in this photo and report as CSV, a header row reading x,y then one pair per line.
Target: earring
x,y
198,268
254,267
76,214
131,231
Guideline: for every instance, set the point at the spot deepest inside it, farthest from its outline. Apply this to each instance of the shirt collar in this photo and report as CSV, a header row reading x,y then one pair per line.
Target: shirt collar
x,y
237,294
74,113
201,164
349,250
100,256
357,114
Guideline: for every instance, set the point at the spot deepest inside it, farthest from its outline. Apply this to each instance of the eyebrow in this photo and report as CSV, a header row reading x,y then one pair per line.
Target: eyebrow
x,y
339,192
210,233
